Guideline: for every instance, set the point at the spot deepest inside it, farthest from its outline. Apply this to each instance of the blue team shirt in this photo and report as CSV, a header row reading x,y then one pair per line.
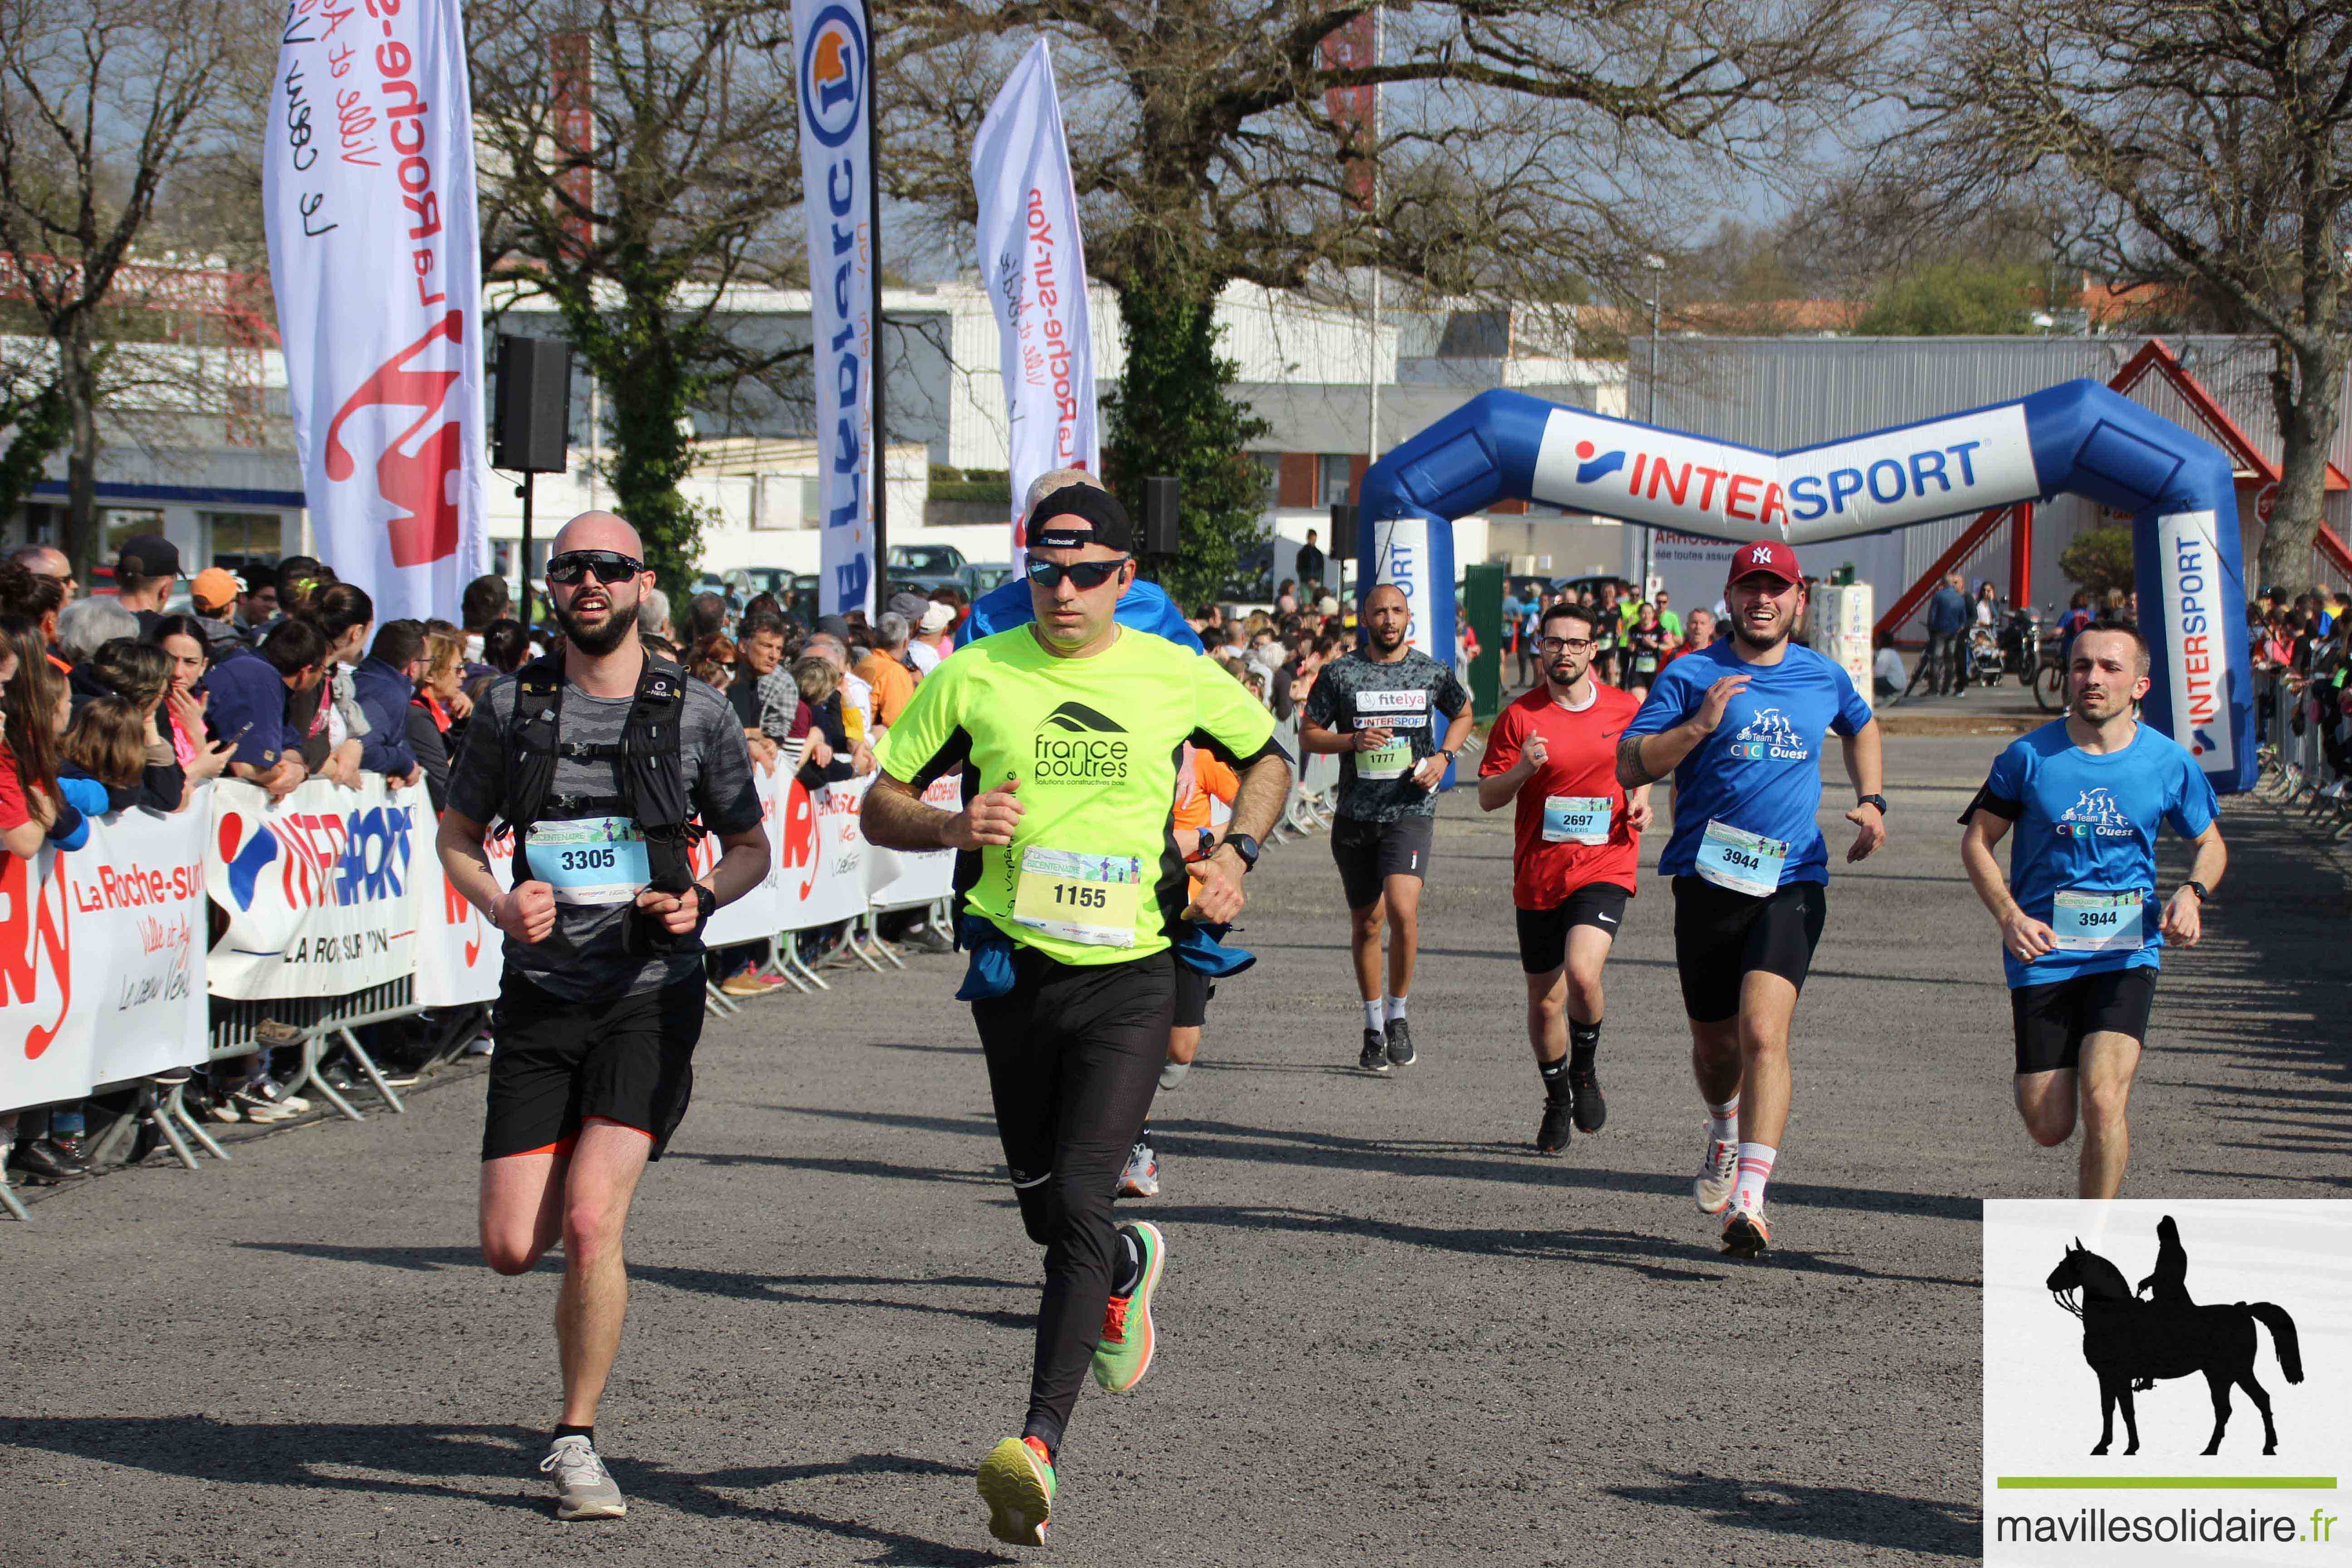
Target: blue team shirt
x,y
1761,769
2087,821
1145,605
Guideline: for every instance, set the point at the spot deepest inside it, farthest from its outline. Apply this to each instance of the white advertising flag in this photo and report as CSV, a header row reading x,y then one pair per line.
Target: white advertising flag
x,y
834,76
1035,267
368,186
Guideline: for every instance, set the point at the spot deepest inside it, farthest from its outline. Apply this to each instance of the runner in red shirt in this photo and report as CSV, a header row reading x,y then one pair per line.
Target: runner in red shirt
x,y
1578,844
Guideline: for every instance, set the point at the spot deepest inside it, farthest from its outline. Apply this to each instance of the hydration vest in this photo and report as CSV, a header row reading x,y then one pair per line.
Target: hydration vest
x,y
651,772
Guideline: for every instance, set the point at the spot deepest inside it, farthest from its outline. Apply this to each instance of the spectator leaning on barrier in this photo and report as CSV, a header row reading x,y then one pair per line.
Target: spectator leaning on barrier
x,y
333,725
756,695
438,713
857,696
383,684
195,746
141,674
830,756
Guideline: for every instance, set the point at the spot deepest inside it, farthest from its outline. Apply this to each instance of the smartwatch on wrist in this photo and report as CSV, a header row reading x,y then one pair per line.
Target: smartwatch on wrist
x,y
2204,894
1877,800
1243,844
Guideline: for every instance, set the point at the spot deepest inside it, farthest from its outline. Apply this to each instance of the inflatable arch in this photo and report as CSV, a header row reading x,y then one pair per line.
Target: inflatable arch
x,y
2078,437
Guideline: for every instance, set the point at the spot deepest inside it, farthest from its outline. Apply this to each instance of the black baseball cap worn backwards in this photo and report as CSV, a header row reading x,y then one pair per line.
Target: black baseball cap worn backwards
x,y
1099,506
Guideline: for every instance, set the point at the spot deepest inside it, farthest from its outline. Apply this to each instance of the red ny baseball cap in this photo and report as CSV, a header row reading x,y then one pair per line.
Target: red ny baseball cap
x,y
1767,555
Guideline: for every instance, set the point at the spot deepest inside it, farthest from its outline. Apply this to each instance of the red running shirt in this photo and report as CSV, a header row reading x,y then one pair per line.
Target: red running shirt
x,y
1580,759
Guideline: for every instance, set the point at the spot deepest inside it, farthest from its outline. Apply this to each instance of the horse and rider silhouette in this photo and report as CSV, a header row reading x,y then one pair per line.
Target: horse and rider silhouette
x,y
2130,1343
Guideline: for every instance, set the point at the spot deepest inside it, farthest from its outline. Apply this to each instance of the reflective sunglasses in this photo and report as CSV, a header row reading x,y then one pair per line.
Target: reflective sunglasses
x,y
609,565
1086,574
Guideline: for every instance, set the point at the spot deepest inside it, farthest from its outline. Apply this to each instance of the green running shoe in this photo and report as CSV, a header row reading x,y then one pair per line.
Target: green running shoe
x,y
1016,1481
1123,1354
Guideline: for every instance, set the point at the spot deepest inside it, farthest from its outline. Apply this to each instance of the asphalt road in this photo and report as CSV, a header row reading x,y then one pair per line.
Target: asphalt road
x,y
1391,1335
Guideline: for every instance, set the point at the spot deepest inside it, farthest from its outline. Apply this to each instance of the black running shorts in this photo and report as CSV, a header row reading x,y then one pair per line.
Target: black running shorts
x,y
628,1059
2053,1020
1721,936
1370,853
1194,990
1543,933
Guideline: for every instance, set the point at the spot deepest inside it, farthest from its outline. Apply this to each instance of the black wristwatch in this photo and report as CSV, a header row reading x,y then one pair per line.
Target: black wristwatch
x,y
1243,844
2204,894
1877,800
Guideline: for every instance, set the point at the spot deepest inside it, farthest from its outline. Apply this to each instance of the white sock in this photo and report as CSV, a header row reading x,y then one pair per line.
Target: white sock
x,y
1396,1008
1723,1120
1373,1015
1755,1170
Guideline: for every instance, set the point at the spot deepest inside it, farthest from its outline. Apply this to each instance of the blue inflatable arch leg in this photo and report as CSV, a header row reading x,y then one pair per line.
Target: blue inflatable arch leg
x,y
2079,438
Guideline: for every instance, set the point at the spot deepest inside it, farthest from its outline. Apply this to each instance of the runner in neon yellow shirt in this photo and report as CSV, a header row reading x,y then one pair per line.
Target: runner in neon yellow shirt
x,y
1067,733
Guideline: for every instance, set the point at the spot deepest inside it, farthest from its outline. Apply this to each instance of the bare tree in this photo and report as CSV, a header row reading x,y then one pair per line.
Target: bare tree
x,y
101,103
2206,146
639,158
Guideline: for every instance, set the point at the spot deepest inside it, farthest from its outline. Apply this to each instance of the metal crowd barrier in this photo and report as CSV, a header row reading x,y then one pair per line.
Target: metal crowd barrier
x,y
2293,749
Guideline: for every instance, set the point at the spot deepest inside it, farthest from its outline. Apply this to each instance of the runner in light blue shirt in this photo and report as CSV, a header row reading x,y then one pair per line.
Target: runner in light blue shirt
x,y
1740,725
2080,921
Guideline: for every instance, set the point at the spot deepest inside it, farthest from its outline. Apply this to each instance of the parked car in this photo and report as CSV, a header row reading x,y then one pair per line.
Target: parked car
x,y
919,568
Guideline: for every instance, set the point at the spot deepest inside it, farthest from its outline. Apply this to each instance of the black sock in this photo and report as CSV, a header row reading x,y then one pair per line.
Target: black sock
x,y
1129,1272
1583,1039
1555,1079
563,1432
1042,1428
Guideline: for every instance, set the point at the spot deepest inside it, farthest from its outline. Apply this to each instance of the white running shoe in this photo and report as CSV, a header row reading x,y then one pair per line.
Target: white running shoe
x,y
1141,1177
584,1487
1718,1172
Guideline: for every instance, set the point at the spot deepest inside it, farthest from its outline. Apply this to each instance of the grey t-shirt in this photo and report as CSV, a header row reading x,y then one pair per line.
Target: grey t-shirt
x,y
584,958
1409,697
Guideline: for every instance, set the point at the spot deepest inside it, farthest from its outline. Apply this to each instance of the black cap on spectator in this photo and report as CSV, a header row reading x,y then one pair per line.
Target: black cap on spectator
x,y
146,555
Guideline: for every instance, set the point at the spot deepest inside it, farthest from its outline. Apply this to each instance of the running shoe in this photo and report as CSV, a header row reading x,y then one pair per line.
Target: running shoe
x,y
1399,1044
1124,1352
1141,1177
1016,1481
1745,1234
1172,1073
1376,1052
1553,1134
1718,1172
1591,1110
584,1487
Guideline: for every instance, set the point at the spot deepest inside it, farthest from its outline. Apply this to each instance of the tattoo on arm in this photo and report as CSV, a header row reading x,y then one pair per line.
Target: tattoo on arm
x,y
1630,774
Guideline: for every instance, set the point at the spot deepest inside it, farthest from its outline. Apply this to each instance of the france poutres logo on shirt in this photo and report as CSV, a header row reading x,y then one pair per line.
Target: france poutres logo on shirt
x,y
1770,734
2094,814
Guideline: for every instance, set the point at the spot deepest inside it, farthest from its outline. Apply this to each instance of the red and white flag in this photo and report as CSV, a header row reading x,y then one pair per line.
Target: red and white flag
x,y
368,183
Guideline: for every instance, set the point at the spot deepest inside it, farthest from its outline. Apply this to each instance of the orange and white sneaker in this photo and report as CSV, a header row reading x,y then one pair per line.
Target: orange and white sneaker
x,y
1745,1234
1718,1172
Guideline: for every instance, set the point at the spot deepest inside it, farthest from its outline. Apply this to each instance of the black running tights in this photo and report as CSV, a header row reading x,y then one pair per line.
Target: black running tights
x,y
1073,1055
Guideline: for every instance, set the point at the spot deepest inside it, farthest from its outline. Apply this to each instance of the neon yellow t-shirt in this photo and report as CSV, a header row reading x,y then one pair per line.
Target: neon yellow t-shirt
x,y
1092,875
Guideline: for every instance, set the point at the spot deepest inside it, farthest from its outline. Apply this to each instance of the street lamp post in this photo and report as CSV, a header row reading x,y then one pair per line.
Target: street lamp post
x,y
1656,268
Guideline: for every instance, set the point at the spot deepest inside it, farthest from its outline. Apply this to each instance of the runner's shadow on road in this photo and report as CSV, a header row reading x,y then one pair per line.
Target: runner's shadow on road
x,y
1654,1257
700,1495
838,1166
1852,1514
775,1287
416,1458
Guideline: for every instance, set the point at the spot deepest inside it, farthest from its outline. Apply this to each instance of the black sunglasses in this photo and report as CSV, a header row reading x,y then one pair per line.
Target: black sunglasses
x,y
610,565
1085,573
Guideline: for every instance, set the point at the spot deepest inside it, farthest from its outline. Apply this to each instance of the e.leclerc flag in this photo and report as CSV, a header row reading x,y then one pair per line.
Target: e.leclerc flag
x,y
1035,266
834,81
368,183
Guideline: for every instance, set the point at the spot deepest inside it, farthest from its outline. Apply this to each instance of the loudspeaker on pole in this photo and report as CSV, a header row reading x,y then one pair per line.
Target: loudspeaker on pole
x,y
529,434
1162,535
1343,531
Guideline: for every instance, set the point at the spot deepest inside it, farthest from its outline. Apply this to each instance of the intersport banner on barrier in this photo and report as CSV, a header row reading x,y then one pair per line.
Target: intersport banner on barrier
x,y
833,75
102,952
319,889
1034,263
368,190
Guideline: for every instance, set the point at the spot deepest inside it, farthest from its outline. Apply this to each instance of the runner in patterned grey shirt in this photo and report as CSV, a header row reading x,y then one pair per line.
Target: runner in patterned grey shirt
x,y
1378,710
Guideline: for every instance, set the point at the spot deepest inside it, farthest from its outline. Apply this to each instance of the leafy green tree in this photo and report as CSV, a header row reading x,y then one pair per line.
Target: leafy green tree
x,y
2100,559
1954,298
1172,413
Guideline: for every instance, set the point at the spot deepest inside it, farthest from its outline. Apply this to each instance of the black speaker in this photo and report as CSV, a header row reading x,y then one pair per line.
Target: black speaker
x,y
534,406
1160,509
1343,531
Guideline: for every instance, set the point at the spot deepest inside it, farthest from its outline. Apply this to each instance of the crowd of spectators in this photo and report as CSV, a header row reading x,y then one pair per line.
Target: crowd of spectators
x,y
1632,638
2302,653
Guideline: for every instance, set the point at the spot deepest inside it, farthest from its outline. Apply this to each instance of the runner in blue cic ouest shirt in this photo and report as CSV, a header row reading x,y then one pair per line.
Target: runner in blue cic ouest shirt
x,y
1741,725
2079,918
